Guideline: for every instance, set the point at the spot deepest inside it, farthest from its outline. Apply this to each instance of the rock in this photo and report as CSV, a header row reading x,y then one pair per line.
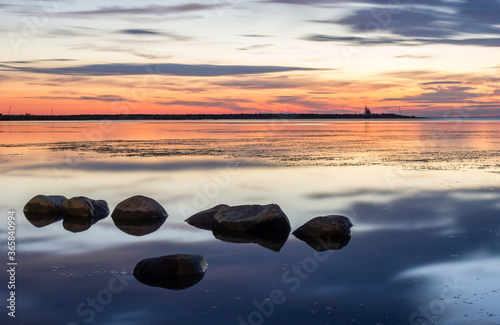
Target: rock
x,y
139,207
81,212
42,210
326,227
256,218
174,272
84,207
272,241
204,219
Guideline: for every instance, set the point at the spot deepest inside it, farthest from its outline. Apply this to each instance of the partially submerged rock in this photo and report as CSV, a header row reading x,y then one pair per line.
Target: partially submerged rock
x,y
327,227
139,207
256,218
174,272
204,219
42,210
81,212
84,207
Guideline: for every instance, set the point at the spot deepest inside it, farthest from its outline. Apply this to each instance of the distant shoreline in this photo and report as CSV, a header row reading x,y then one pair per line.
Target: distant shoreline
x,y
194,117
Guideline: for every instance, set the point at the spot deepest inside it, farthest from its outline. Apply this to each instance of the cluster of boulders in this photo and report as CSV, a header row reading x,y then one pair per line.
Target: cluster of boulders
x,y
137,215
266,225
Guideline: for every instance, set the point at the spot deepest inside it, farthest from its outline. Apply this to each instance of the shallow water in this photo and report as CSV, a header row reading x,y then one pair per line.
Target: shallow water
x,y
423,197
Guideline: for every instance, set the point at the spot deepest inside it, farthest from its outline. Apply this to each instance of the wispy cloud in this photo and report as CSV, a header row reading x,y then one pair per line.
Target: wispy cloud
x,y
464,22
151,10
117,69
441,82
230,104
100,98
451,94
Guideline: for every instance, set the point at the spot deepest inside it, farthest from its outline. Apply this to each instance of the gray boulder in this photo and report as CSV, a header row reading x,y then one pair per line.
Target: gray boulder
x,y
42,210
326,226
139,207
204,219
174,272
255,218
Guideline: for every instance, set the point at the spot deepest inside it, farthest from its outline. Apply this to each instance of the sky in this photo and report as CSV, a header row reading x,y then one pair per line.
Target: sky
x,y
436,58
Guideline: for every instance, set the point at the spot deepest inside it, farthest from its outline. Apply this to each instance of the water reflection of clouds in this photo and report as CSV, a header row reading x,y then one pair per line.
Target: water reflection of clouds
x,y
470,287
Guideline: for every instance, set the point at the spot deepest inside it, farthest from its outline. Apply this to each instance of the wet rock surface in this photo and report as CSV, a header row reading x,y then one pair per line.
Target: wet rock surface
x,y
325,227
204,219
257,218
139,207
43,210
175,272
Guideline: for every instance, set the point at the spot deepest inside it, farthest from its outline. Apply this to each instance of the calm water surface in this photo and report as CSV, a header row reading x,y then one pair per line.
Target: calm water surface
x,y
423,196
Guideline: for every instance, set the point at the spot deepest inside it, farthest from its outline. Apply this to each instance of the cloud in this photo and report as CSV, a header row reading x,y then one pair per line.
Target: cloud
x,y
254,47
230,104
486,42
260,84
450,94
100,98
149,32
139,32
428,22
312,106
255,35
409,56
121,69
154,10
441,82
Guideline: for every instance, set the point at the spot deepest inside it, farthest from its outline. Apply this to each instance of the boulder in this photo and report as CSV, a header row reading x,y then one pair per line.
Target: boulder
x,y
174,272
256,218
84,207
139,207
326,227
42,210
204,219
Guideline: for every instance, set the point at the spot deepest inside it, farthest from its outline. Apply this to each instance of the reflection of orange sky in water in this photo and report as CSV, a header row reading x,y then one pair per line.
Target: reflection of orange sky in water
x,y
412,144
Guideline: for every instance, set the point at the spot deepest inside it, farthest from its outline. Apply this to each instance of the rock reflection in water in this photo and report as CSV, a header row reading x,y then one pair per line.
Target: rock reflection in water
x,y
273,241
42,219
75,223
139,227
321,244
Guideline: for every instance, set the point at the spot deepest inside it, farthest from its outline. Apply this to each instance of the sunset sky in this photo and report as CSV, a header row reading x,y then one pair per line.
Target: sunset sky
x,y
430,57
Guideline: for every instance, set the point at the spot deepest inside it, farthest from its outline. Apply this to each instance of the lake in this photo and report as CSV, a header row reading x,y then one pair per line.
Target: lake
x,y
423,195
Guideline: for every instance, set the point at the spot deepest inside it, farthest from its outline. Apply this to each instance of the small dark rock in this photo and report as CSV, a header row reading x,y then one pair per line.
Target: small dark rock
x,y
174,272
42,210
139,207
204,219
257,218
326,227
84,207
